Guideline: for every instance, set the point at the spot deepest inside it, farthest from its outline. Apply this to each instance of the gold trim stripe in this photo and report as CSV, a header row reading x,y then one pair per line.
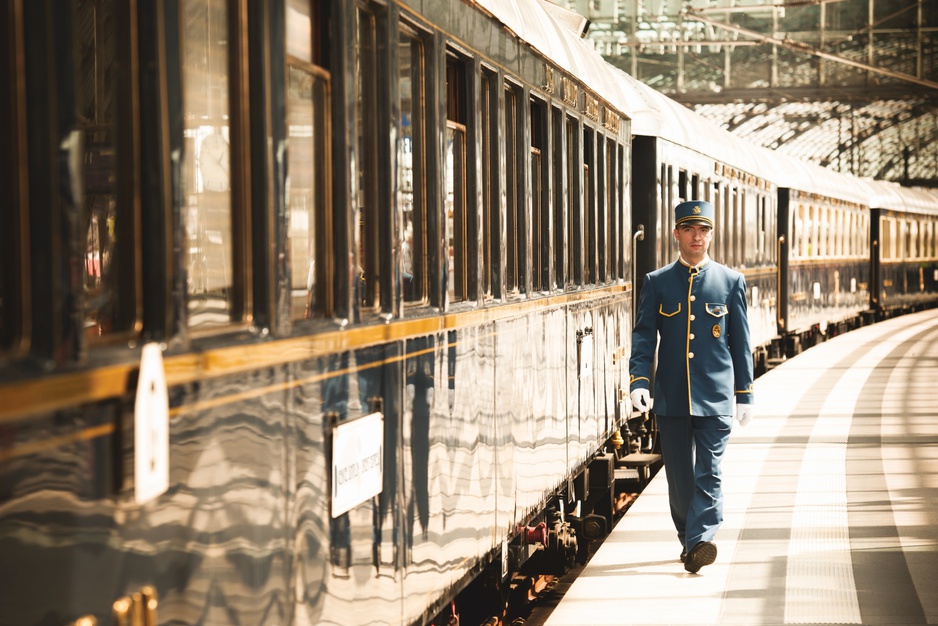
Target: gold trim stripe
x,y
694,271
35,447
58,391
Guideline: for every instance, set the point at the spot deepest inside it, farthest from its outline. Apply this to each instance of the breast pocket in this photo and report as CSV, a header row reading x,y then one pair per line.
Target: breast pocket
x,y
669,310
718,314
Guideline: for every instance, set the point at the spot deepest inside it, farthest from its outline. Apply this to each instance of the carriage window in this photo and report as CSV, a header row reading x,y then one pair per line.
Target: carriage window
x,y
412,160
796,229
560,208
206,118
934,240
844,232
816,230
811,230
761,246
824,231
599,212
933,230
664,234
667,217
751,225
611,242
490,250
893,244
589,208
804,232
726,219
371,220
840,232
930,241
108,265
515,215
903,239
622,226
13,271
836,231
574,231
736,232
308,164
540,216
854,239
460,246
888,236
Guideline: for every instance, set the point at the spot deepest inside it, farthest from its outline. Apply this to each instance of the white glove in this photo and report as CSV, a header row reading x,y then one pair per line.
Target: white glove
x,y
743,413
641,400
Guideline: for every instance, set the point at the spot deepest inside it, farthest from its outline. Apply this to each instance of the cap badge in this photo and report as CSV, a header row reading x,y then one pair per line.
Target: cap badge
x,y
696,210
716,331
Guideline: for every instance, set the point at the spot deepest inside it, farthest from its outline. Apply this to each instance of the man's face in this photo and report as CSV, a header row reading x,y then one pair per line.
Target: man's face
x,y
693,241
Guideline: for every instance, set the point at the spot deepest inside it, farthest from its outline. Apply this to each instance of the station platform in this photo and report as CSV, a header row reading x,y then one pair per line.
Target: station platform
x,y
831,502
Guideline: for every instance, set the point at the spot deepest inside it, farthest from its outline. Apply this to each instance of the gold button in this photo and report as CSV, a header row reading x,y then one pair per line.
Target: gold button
x,y
693,317
690,355
692,298
692,336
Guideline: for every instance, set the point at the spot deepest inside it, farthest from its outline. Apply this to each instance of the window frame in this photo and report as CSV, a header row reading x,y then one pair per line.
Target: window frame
x,y
539,154
559,170
490,284
590,208
574,175
420,144
515,157
373,251
240,302
462,284
14,230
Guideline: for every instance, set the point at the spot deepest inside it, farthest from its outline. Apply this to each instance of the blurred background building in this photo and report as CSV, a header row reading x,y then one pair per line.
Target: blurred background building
x,y
848,84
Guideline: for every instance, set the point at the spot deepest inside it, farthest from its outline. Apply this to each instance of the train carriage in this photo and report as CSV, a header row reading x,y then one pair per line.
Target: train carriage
x,y
904,248
380,251
319,312
679,156
824,231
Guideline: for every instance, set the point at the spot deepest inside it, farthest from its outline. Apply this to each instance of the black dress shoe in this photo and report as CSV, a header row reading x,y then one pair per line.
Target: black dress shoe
x,y
683,555
704,553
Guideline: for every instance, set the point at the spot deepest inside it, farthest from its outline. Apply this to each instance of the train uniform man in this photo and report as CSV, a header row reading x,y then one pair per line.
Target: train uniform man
x,y
694,312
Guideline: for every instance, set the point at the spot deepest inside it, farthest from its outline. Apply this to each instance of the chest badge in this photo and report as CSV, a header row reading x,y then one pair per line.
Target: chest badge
x,y
716,331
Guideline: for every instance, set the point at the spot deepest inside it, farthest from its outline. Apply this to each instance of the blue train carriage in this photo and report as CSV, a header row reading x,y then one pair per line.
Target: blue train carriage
x,y
824,240
904,239
312,313
679,155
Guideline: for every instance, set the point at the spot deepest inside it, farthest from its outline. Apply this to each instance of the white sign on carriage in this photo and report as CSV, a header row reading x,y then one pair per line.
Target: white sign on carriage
x,y
357,462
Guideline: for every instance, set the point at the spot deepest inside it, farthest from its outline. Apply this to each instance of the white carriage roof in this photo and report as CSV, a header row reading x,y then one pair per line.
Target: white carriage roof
x,y
552,32
890,195
556,33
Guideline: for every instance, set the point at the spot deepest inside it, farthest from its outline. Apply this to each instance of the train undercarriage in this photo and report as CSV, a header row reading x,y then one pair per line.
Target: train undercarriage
x,y
555,543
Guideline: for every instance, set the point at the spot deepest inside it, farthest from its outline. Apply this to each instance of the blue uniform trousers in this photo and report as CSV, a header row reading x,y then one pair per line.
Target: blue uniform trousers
x,y
693,448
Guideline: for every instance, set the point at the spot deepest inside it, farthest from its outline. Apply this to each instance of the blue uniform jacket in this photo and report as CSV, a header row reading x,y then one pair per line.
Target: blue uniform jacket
x,y
704,356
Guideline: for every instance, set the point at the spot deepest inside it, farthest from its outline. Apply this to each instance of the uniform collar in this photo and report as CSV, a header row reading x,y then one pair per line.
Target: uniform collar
x,y
695,269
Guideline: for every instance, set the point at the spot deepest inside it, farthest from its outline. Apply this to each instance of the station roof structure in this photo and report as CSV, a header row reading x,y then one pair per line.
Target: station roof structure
x,y
848,84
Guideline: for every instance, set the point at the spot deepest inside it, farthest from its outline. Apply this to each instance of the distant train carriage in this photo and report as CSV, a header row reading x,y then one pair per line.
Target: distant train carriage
x,y
679,156
904,245
824,225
